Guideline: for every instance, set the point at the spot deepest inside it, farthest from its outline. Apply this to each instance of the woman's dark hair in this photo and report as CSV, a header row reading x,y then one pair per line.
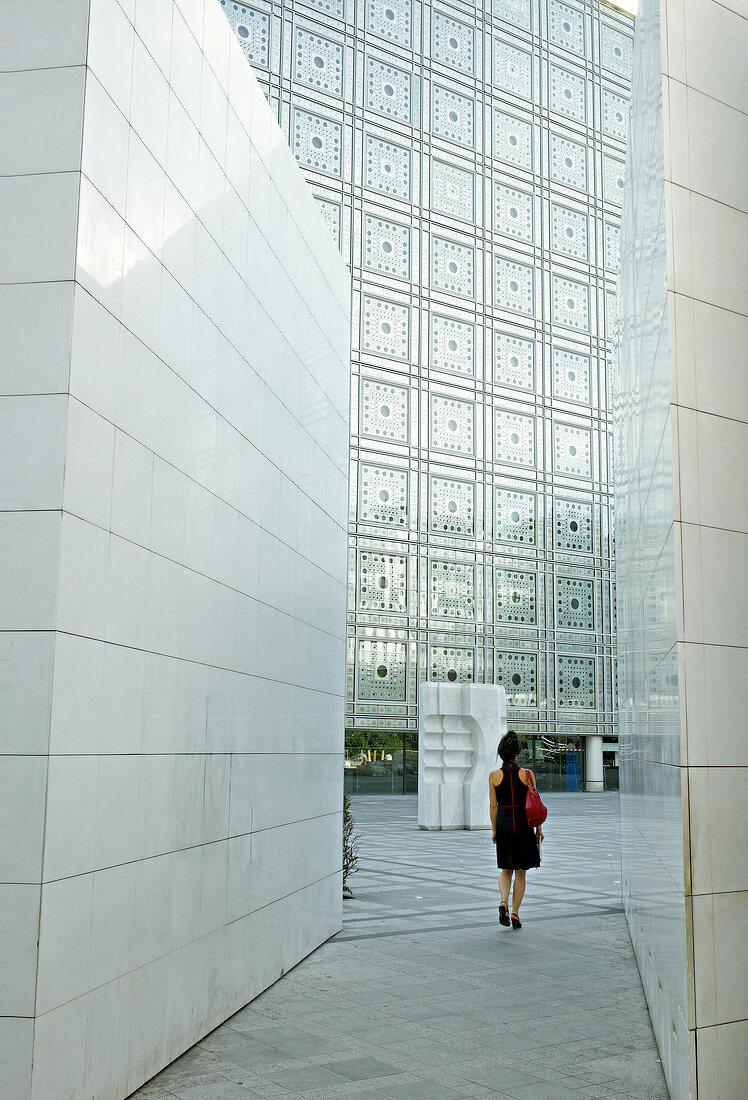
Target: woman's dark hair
x,y
509,747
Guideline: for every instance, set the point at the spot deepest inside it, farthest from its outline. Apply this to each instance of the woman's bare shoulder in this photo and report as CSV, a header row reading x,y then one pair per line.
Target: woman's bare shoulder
x,y
495,777
524,772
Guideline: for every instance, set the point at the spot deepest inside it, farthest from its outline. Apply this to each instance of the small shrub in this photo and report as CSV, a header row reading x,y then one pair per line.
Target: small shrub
x,y
350,846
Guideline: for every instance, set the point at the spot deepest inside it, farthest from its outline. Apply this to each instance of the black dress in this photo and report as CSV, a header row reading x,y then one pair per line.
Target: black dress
x,y
516,847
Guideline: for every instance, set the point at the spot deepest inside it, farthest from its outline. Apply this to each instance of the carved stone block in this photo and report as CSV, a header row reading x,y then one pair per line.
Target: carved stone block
x,y
460,726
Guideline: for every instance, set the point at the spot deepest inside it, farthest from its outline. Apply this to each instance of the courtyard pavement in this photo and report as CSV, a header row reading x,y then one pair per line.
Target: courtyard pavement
x,y
424,996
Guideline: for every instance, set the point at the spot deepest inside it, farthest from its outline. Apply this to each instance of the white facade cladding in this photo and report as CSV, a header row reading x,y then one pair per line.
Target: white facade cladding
x,y
173,507
682,539
469,161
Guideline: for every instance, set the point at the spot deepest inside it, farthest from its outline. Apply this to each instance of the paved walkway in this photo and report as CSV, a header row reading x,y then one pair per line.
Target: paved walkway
x,y
423,995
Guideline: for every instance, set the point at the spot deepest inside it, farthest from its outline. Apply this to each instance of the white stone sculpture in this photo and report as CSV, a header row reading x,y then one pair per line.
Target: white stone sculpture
x,y
459,727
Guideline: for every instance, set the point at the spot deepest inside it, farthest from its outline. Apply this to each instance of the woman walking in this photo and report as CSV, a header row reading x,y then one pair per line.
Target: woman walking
x,y
516,843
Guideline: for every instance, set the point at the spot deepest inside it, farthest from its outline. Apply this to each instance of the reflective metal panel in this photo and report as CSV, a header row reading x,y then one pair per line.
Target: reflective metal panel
x,y
469,162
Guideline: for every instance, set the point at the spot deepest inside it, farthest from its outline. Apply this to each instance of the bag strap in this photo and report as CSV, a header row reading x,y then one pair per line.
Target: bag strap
x,y
531,786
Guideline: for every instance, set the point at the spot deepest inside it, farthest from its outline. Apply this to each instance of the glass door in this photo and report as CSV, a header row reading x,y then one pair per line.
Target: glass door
x,y
557,763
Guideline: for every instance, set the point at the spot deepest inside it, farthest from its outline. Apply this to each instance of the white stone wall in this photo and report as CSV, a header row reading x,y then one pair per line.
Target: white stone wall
x,y
682,538
173,505
706,168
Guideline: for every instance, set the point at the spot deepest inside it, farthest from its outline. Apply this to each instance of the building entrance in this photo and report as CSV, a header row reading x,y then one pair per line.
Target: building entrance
x,y
558,762
378,762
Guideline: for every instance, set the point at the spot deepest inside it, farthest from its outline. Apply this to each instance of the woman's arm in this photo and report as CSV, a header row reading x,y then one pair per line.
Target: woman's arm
x,y
493,806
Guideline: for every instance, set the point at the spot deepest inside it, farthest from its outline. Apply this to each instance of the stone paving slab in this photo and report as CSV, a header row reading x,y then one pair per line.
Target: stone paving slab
x,y
424,996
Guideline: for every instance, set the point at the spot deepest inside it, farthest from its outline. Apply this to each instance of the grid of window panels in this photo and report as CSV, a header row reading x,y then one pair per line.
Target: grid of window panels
x,y
469,162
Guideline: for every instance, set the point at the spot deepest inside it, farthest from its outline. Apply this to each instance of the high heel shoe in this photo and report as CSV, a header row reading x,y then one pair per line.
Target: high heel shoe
x,y
516,922
504,915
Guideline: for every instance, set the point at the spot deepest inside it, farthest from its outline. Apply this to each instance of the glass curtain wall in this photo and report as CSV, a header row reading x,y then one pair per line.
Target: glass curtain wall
x,y
468,160
387,763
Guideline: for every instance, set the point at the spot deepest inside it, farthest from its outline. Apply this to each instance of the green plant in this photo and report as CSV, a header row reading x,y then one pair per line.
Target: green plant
x,y
350,846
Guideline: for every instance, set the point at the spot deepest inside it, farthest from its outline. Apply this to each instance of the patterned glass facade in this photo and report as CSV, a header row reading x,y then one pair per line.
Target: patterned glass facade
x,y
469,162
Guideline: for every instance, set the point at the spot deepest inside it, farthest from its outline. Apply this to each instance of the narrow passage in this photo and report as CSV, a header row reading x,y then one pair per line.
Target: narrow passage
x,y
422,995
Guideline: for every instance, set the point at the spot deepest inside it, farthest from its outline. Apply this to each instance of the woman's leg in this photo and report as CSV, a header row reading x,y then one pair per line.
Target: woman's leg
x,y
519,890
505,881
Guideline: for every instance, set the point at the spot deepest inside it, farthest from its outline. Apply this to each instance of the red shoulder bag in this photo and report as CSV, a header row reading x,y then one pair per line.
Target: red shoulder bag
x,y
535,811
